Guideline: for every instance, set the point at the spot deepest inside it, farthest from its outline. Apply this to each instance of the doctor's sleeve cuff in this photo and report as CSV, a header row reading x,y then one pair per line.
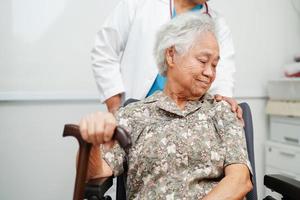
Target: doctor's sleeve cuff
x,y
106,94
108,78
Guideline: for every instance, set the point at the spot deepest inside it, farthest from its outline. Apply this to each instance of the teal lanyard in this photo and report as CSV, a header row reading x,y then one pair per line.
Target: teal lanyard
x,y
196,8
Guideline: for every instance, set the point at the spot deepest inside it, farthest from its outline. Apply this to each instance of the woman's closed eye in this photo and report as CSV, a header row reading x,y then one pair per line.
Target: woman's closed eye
x,y
202,60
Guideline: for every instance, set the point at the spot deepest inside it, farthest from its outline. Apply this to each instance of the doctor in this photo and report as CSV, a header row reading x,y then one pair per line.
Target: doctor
x,y
122,57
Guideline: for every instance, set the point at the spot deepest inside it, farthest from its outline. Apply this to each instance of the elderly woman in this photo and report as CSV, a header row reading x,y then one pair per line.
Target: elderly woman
x,y
185,144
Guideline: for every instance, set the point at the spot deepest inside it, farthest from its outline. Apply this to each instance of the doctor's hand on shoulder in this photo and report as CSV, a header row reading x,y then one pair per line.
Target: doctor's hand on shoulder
x,y
234,106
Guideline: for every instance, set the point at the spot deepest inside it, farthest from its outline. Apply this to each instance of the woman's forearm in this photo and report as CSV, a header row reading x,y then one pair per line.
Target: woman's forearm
x,y
97,168
228,189
234,186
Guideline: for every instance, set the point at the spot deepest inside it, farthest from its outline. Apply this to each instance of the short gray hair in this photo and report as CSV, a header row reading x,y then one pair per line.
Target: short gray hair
x,y
180,32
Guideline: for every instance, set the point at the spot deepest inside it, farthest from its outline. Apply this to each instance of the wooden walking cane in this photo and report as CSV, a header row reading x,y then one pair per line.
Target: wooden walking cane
x,y
120,134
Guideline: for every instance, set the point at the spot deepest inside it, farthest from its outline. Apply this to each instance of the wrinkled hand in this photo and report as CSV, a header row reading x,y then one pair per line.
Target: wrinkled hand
x,y
234,106
98,128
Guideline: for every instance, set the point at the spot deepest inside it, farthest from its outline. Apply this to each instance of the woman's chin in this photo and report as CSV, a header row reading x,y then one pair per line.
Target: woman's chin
x,y
199,92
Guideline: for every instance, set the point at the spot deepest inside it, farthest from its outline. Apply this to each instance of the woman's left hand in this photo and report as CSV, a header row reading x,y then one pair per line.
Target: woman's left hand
x,y
234,106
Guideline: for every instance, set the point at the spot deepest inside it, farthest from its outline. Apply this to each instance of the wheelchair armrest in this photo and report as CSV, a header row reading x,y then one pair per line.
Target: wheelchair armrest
x,y
96,188
286,186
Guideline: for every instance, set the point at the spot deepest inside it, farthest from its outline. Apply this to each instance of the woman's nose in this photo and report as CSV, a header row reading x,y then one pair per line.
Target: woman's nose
x,y
208,71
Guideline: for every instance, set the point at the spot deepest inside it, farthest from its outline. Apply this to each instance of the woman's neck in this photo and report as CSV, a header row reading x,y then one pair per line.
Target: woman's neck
x,y
178,94
182,6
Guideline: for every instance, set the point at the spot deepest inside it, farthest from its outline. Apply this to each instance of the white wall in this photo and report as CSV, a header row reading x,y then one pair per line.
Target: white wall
x,y
44,54
266,35
36,162
45,44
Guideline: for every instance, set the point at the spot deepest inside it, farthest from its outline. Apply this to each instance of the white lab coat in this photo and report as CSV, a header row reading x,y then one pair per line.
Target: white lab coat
x,y
122,57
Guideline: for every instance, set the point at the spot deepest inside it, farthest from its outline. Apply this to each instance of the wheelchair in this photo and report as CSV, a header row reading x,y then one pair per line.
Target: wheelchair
x,y
95,189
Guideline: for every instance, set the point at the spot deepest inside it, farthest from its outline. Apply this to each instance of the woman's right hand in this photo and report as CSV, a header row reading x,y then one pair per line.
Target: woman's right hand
x,y
98,128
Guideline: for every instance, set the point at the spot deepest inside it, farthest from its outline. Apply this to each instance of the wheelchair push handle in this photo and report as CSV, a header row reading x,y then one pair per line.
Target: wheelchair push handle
x,y
120,134
123,138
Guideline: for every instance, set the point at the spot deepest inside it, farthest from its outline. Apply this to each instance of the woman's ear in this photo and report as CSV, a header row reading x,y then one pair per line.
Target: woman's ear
x,y
170,53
